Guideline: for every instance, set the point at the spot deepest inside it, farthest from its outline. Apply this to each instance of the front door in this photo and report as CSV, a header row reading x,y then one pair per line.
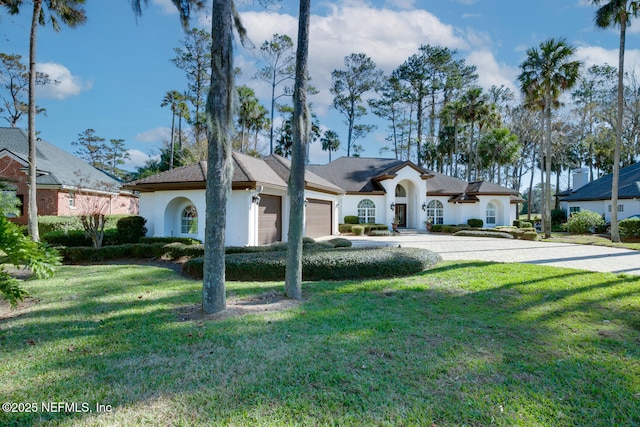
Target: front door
x,y
401,214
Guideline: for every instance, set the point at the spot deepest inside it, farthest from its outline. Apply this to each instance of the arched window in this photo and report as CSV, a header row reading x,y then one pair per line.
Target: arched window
x,y
189,220
491,214
435,212
400,191
367,212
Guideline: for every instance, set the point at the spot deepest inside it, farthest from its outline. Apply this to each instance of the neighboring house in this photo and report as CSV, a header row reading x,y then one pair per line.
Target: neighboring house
x,y
381,190
173,202
66,185
596,195
376,190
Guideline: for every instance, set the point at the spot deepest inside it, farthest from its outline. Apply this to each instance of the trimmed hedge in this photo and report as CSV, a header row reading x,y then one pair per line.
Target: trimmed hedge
x,y
351,219
348,228
131,229
339,242
78,238
130,250
475,222
358,230
166,240
340,264
484,233
50,223
629,228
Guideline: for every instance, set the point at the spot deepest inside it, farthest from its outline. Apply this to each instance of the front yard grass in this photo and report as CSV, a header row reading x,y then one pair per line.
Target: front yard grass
x,y
591,239
466,343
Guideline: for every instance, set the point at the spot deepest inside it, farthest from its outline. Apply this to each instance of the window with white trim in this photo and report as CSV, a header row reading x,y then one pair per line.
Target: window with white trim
x,y
72,200
367,212
573,210
435,212
189,220
491,214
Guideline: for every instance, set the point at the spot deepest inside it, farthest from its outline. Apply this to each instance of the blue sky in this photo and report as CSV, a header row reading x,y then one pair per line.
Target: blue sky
x,y
115,70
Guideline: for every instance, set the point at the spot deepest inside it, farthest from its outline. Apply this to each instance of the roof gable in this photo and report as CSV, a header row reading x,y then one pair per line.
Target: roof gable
x,y
600,189
55,166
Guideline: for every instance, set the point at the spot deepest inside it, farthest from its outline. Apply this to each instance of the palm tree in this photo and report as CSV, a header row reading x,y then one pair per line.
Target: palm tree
x,y
610,14
172,99
549,71
71,13
330,142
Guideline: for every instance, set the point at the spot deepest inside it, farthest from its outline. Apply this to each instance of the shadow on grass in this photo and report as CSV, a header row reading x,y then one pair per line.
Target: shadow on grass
x,y
467,343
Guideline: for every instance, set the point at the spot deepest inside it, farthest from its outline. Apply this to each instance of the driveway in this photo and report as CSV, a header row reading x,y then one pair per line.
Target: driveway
x,y
584,257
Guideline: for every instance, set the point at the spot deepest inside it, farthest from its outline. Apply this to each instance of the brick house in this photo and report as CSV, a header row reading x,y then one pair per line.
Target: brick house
x,y
66,185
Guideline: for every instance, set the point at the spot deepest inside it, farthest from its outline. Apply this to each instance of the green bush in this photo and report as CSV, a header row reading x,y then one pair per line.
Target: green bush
x,y
558,216
475,223
72,238
378,233
131,229
585,222
165,240
448,228
516,223
358,230
307,240
178,250
629,228
525,224
351,219
529,235
127,251
348,228
484,233
339,264
339,242
436,228
49,223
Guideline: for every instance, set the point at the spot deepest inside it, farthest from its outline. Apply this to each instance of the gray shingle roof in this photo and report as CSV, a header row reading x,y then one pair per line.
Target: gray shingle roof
x,y
56,165
600,189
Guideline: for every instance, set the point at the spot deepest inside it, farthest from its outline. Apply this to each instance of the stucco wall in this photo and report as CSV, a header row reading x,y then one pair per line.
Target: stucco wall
x,y
631,207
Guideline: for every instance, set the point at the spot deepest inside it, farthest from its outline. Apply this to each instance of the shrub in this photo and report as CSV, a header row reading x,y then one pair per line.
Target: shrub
x,y
629,228
50,223
307,240
525,224
529,235
484,233
339,242
516,223
131,229
379,233
584,222
436,228
72,238
348,228
178,250
351,219
475,223
558,216
165,240
106,253
357,230
340,264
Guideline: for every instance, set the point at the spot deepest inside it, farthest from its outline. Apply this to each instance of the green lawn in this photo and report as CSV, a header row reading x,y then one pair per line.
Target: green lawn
x,y
468,343
591,239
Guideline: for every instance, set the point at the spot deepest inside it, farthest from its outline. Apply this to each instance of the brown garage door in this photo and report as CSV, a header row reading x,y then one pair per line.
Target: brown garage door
x,y
319,215
270,219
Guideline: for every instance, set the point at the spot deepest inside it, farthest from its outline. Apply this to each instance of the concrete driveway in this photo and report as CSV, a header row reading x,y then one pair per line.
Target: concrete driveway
x,y
584,257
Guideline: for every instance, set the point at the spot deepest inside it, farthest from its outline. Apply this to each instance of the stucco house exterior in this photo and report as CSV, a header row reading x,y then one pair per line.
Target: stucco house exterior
x,y
376,190
596,195
65,183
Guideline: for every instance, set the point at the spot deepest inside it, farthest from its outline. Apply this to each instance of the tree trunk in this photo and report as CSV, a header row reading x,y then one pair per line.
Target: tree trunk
x,y
546,218
32,215
615,233
219,164
173,132
300,131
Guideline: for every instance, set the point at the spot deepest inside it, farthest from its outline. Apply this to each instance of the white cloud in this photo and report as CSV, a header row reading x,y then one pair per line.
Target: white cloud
x,y
490,72
166,6
156,135
595,55
63,83
137,159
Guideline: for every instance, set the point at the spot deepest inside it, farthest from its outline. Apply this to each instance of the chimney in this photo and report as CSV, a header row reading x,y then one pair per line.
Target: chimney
x,y
580,178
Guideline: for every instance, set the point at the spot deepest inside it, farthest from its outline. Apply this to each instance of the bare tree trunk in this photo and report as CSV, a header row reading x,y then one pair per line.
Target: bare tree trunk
x,y
219,165
615,233
546,218
300,130
32,215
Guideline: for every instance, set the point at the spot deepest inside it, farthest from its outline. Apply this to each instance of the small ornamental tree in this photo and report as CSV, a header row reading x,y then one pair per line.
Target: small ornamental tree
x,y
93,201
585,222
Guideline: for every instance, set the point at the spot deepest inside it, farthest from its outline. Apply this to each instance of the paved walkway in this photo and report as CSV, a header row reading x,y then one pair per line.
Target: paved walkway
x,y
584,257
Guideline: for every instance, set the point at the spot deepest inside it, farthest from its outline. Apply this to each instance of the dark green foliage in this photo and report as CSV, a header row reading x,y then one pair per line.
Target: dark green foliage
x,y
629,228
19,250
307,240
178,250
525,224
516,223
454,228
351,219
339,242
558,216
165,240
127,251
131,229
436,228
342,264
475,223
76,238
49,223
